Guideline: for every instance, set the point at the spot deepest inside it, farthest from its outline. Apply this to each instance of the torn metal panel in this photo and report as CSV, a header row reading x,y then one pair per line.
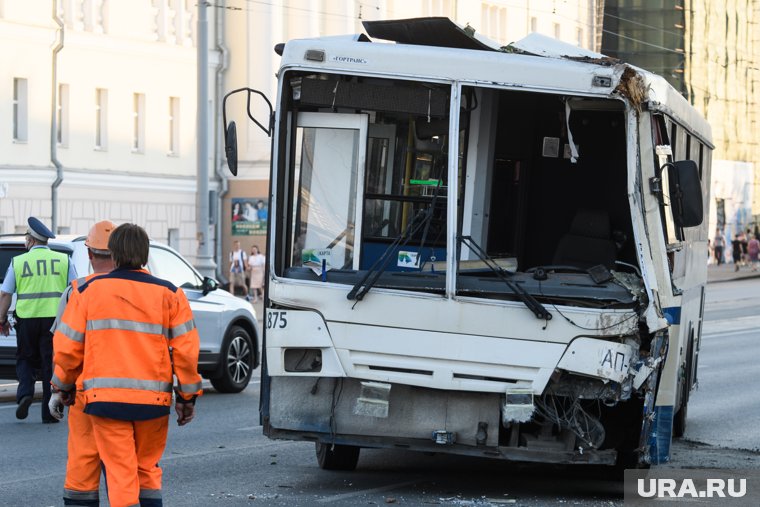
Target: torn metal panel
x,y
633,87
617,324
437,31
604,359
640,128
573,147
444,33
541,45
654,440
586,388
633,283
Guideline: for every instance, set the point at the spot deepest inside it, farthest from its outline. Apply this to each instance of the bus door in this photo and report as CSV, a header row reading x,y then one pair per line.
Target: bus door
x,y
330,154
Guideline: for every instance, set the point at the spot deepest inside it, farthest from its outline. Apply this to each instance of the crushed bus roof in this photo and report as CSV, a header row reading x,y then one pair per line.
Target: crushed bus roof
x,y
439,49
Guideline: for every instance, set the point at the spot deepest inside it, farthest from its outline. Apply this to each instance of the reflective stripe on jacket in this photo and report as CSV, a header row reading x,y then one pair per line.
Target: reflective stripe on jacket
x,y
117,330
41,277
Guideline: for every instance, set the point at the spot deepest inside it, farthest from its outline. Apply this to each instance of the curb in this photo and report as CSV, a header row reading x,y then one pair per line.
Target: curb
x,y
735,278
8,391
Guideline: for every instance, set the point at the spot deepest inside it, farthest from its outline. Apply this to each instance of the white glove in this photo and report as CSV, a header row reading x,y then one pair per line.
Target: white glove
x,y
55,405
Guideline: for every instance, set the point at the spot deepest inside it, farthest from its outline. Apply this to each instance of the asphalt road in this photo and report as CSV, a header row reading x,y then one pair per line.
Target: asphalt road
x,y
725,409
223,459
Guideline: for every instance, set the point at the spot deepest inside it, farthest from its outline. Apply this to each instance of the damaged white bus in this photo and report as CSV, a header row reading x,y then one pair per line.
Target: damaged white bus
x,y
476,250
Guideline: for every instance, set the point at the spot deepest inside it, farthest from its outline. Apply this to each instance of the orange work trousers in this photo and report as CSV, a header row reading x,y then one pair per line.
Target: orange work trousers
x,y
83,464
130,451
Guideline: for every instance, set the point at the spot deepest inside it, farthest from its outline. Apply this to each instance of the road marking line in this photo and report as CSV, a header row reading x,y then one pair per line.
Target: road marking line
x,y
343,496
249,428
729,333
40,478
224,450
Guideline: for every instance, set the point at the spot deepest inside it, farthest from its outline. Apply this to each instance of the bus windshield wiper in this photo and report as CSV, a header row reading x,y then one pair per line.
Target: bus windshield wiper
x,y
360,289
533,305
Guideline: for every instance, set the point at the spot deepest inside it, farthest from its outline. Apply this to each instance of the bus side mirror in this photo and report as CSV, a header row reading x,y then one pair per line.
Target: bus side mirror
x,y
230,147
230,131
685,193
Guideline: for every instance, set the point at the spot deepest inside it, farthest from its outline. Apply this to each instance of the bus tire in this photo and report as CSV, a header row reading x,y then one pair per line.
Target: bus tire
x,y
337,457
679,419
679,422
236,362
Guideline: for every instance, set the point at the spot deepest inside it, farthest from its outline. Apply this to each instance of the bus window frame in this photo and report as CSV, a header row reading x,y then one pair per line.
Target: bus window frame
x,y
667,129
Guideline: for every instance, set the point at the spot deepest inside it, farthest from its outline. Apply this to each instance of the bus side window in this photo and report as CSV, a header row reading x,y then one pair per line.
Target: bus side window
x,y
664,150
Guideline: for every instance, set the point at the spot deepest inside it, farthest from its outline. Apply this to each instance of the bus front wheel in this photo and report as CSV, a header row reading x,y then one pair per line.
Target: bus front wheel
x,y
337,457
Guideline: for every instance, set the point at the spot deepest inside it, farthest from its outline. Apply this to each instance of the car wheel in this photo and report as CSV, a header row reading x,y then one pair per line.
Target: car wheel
x,y
337,457
237,360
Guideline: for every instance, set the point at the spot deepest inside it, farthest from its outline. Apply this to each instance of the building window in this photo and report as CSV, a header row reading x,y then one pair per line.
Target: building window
x,y
138,122
173,125
20,110
533,25
493,21
436,8
579,35
101,119
62,116
556,31
173,239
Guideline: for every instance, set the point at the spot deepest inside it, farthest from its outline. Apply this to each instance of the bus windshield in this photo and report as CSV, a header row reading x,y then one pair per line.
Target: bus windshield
x,y
363,169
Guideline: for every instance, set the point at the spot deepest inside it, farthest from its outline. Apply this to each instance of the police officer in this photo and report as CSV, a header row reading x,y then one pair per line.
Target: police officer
x,y
38,278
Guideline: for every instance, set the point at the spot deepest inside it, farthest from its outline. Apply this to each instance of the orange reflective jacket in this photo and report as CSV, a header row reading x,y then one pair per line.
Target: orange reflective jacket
x,y
61,308
127,332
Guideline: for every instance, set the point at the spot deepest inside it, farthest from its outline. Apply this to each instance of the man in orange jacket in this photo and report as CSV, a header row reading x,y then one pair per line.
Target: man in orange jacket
x,y
128,333
83,462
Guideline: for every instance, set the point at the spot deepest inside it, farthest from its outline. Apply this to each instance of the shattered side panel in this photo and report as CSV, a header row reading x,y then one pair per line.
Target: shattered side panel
x,y
638,182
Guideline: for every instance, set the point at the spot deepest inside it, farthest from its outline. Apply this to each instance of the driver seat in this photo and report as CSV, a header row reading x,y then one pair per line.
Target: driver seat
x,y
588,243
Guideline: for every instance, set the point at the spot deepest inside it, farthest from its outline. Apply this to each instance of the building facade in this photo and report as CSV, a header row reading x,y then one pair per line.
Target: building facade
x,y
710,51
99,115
105,127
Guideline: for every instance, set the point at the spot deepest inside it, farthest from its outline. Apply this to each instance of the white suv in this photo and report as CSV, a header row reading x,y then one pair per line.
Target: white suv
x,y
230,347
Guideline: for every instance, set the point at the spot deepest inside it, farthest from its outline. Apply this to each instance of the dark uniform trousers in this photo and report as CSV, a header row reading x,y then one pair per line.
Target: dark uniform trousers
x,y
34,352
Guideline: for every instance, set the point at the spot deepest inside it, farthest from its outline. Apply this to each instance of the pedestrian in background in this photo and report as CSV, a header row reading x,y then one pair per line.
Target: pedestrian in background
x,y
38,277
237,267
736,251
256,264
129,333
83,461
753,251
719,243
